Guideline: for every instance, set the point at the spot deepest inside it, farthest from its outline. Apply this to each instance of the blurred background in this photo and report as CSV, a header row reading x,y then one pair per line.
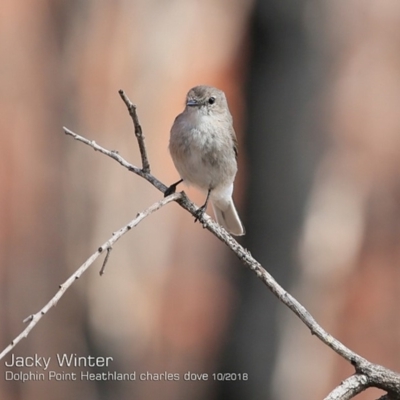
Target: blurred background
x,y
314,89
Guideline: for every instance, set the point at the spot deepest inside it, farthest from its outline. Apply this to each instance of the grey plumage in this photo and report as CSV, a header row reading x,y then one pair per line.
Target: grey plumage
x,y
203,147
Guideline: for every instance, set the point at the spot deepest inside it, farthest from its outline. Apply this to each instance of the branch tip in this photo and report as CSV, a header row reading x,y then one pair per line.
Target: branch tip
x,y
138,131
28,319
103,267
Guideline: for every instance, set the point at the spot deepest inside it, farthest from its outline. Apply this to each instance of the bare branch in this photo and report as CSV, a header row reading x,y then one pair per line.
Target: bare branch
x,y
115,156
349,388
35,318
378,376
286,298
361,365
367,373
138,131
243,254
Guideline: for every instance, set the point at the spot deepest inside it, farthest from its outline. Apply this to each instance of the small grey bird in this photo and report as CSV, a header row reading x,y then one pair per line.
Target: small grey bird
x,y
203,147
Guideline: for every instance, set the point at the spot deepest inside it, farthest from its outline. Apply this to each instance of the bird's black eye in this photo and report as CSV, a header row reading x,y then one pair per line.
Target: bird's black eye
x,y
211,100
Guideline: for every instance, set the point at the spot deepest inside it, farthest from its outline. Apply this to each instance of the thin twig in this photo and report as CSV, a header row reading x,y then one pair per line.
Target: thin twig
x,y
103,267
35,318
138,131
115,156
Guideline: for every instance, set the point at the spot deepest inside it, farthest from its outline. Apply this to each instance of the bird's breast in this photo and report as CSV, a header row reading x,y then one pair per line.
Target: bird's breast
x,y
202,150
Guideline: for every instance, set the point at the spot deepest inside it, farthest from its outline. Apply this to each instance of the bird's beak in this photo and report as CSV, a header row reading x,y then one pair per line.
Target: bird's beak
x,y
191,103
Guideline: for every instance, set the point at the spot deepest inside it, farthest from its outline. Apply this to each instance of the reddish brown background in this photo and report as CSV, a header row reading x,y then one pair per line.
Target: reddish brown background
x,y
315,94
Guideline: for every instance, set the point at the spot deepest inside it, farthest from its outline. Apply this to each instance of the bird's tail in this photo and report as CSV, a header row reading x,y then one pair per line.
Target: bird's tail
x,y
227,216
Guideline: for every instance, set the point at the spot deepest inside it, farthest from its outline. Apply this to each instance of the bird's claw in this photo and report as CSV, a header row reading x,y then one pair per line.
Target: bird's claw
x,y
199,213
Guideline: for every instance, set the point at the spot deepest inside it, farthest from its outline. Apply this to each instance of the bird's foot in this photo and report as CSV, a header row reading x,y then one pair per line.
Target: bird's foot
x,y
199,213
